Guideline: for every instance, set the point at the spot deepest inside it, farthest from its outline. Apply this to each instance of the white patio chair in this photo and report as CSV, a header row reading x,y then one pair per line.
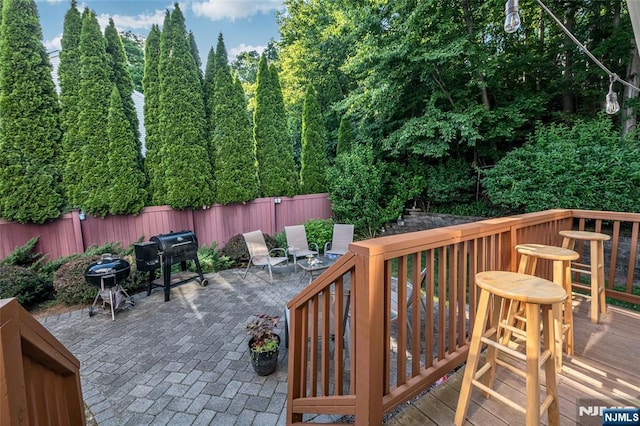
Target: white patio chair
x,y
342,237
297,244
410,290
259,253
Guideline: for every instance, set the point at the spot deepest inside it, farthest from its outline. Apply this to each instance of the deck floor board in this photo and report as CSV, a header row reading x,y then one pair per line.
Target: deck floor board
x,y
605,367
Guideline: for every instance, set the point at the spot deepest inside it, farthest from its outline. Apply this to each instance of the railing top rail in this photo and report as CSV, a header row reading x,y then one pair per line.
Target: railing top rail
x,y
606,215
397,245
343,265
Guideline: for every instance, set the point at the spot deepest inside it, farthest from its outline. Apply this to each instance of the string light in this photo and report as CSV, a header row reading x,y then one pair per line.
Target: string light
x,y
612,105
611,101
512,19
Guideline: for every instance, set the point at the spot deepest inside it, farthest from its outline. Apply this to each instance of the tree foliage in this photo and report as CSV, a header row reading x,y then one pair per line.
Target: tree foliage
x,y
274,152
127,194
432,80
29,123
193,48
134,46
586,166
68,77
346,138
151,84
245,67
91,192
314,156
184,165
356,191
450,181
235,170
208,87
122,79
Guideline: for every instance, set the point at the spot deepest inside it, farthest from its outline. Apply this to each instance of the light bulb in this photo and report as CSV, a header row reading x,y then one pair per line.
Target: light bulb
x,y
512,19
612,105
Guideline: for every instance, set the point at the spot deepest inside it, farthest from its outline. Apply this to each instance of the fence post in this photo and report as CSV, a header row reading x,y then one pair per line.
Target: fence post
x,y
77,231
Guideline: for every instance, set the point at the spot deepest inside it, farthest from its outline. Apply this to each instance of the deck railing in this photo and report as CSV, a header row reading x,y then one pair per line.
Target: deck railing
x,y
39,377
380,338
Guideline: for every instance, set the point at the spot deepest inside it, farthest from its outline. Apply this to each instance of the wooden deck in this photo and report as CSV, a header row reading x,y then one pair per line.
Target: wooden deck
x,y
605,368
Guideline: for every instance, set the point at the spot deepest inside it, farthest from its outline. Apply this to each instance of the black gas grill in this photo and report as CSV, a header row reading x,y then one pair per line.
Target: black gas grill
x,y
164,250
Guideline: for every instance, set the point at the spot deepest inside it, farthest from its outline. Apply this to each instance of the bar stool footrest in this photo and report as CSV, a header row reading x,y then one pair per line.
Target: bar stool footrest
x,y
499,396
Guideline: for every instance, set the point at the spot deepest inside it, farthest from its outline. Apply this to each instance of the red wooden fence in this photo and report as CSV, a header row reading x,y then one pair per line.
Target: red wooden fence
x,y
68,234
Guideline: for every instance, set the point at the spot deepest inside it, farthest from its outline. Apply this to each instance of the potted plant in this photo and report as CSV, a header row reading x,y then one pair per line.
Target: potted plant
x,y
264,345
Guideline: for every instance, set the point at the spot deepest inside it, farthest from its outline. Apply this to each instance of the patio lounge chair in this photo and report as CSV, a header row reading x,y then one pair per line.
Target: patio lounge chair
x,y
259,253
410,289
342,237
297,244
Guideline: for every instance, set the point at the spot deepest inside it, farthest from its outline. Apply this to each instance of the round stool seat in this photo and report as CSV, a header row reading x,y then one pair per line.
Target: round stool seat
x,y
521,287
547,252
595,267
585,235
539,296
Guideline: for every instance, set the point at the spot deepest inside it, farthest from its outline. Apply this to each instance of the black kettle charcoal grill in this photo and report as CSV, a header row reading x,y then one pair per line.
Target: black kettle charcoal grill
x,y
164,250
107,274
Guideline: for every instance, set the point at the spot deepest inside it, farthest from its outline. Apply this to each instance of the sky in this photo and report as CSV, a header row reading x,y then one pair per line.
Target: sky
x,y
245,24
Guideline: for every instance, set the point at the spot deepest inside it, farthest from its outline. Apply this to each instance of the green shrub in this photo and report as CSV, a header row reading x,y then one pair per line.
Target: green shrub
x,y
69,283
211,259
449,182
319,231
356,192
23,284
23,255
236,249
48,270
137,280
588,166
480,208
281,239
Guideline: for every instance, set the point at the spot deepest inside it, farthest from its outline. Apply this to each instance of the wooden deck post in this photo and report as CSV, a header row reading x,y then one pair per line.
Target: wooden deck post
x,y
39,377
369,339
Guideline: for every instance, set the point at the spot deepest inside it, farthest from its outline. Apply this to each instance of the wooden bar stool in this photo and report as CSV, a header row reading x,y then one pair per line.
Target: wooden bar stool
x,y
538,295
561,259
595,269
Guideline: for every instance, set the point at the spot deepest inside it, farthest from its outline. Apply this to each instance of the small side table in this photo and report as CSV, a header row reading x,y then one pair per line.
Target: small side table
x,y
561,258
595,268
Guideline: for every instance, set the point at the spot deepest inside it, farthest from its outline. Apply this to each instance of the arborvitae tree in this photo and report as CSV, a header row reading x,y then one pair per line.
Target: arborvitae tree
x,y
127,194
184,162
208,86
69,78
91,193
222,58
134,49
195,53
151,84
214,62
314,155
235,170
217,58
274,153
345,136
122,79
30,120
